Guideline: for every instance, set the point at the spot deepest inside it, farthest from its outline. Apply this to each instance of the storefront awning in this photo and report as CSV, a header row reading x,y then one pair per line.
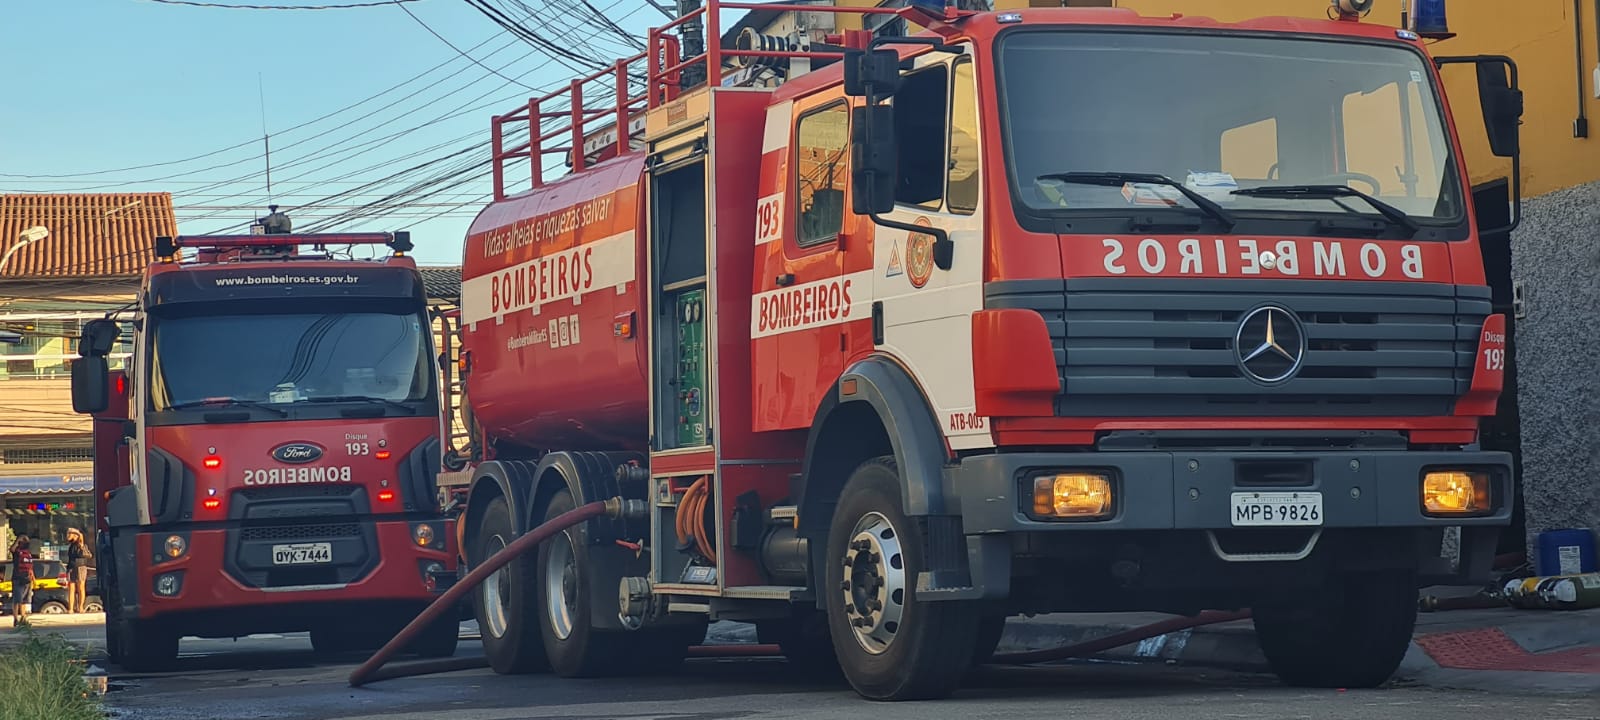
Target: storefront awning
x,y
46,485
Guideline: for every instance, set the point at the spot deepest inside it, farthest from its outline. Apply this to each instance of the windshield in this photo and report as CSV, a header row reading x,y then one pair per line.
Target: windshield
x,y
1219,113
282,359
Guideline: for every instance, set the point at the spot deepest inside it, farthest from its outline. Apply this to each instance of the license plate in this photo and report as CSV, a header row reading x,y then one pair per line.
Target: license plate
x,y
1276,509
302,554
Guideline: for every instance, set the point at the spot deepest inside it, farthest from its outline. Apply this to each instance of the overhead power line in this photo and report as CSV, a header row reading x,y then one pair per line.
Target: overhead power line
x,y
378,3
459,51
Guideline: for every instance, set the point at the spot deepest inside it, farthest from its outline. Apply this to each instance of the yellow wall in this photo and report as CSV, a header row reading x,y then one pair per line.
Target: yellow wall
x,y
1538,34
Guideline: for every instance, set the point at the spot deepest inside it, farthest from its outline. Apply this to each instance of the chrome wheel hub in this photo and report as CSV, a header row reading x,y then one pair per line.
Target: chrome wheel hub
x,y
496,594
874,586
561,586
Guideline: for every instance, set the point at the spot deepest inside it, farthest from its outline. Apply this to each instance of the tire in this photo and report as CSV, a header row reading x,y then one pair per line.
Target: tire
x,y
574,647
341,640
439,639
146,646
806,643
1352,634
907,649
662,650
93,606
507,603
990,629
51,607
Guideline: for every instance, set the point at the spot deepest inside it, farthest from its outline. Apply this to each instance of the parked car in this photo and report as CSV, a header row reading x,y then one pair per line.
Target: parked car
x,y
49,588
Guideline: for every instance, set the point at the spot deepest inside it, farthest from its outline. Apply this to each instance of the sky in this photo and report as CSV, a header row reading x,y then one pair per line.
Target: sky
x,y
149,96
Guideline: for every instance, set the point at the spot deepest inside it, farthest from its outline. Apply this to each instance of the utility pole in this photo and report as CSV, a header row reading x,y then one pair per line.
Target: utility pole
x,y
692,34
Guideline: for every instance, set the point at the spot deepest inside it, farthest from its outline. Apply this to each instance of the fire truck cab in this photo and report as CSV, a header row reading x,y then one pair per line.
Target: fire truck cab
x,y
267,461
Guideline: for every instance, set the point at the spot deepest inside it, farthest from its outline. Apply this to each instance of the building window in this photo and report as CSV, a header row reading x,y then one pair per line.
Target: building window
x,y
49,343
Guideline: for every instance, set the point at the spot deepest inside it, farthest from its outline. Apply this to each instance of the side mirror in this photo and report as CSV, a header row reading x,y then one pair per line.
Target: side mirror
x,y
874,165
98,337
879,69
1502,109
91,384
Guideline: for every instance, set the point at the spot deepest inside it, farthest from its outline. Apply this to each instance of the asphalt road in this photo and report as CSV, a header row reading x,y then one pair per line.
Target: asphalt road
x,y
280,677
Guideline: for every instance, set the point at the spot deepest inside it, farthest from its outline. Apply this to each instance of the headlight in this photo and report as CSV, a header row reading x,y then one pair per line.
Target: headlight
x,y
1076,496
1456,492
424,535
176,546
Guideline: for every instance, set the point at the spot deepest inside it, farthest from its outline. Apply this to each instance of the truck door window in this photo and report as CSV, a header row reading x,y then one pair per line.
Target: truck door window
x,y
823,143
962,194
920,118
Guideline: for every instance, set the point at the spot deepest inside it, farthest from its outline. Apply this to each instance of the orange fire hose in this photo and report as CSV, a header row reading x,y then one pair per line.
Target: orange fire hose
x,y
690,520
447,602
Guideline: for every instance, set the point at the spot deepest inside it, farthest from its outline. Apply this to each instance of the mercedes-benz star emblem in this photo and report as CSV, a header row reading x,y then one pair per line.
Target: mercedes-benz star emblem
x,y
1270,344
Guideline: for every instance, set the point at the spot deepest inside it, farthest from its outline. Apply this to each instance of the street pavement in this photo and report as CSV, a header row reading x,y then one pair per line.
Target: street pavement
x,y
278,676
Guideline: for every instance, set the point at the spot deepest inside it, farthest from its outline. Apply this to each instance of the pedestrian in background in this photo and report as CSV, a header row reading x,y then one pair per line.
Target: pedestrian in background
x,y
78,556
21,581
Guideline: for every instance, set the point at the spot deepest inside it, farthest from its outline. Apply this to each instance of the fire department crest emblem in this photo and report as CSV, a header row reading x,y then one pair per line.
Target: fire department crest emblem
x,y
919,254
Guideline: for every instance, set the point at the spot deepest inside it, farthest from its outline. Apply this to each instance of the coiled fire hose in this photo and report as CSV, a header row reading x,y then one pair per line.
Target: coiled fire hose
x,y
691,523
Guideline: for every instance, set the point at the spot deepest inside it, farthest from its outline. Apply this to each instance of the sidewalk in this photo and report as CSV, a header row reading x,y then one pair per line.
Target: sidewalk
x,y
1505,650
83,630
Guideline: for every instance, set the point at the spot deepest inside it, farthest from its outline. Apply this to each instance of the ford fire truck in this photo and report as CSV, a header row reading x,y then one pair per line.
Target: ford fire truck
x,y
890,337
266,461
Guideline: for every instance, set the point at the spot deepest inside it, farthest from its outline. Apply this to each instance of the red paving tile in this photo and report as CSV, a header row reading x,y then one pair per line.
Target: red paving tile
x,y
1491,649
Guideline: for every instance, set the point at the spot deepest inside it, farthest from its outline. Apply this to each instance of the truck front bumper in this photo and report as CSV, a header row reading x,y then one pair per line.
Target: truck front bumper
x,y
1193,490
1175,510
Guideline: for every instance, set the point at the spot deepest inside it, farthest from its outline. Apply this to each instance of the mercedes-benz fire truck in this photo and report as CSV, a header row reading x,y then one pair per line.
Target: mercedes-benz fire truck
x,y
266,462
1062,309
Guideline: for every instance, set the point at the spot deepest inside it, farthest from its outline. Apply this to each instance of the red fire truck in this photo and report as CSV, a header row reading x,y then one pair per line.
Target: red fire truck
x,y
1050,310
267,460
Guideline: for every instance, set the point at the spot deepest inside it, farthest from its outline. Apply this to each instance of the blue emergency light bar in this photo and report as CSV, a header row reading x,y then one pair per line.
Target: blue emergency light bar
x,y
1428,19
167,247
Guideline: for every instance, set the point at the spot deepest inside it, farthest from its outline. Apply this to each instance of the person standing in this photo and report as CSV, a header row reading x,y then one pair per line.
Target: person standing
x,y
78,556
21,581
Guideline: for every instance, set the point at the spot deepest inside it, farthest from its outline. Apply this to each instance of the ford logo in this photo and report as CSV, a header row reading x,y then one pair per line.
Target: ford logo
x,y
296,453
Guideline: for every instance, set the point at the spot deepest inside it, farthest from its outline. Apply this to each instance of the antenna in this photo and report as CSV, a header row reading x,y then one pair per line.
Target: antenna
x,y
266,144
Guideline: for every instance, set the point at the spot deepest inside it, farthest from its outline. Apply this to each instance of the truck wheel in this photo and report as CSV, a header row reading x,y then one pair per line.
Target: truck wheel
x,y
340,640
805,641
990,629
439,639
146,646
891,645
507,602
114,624
575,648
1351,635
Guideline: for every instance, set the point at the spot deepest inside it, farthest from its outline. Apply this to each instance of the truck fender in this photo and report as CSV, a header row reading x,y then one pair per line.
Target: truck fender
x,y
589,476
885,390
510,479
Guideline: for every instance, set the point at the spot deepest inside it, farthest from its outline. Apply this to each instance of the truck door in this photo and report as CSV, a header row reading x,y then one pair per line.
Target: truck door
x,y
927,310
811,295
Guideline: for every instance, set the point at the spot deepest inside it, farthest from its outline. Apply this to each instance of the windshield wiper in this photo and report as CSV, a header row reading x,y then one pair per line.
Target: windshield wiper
x,y
1113,179
1329,192
360,398
228,402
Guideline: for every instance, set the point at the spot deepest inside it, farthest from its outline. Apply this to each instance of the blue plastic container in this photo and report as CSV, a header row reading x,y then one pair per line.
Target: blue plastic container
x,y
1566,552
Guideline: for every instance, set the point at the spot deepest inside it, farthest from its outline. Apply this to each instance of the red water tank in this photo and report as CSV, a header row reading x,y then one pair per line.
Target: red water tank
x,y
551,313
